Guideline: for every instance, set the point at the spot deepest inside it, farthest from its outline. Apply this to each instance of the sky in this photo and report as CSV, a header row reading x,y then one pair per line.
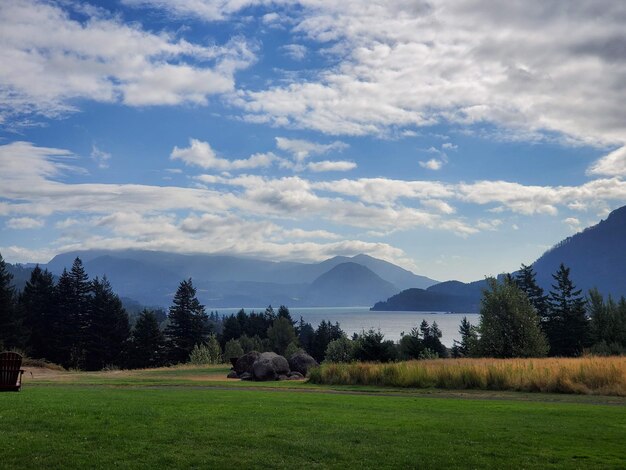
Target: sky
x,y
457,139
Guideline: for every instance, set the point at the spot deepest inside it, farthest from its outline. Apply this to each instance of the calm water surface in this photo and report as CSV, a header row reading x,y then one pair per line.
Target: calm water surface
x,y
392,324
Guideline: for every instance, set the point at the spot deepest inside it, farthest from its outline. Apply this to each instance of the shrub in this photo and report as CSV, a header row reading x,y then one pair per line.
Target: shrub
x,y
340,350
209,353
292,349
371,346
250,344
232,348
428,354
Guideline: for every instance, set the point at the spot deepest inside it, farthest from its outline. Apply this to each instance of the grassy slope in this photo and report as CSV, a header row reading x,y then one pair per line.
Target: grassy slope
x,y
60,426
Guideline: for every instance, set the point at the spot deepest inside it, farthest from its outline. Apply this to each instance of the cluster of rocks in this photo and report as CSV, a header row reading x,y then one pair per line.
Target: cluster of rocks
x,y
270,366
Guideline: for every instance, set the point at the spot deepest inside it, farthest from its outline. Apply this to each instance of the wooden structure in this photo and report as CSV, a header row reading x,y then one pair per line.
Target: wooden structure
x,y
10,372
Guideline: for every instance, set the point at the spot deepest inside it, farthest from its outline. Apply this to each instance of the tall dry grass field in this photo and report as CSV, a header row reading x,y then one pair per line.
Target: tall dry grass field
x,y
587,375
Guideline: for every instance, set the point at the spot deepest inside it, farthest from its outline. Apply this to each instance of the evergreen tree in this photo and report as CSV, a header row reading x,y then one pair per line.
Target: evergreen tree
x,y
187,325
607,324
37,301
306,335
11,323
411,345
250,344
283,312
509,325
231,327
469,339
147,343
566,324
325,333
107,327
281,334
371,346
432,340
71,322
527,282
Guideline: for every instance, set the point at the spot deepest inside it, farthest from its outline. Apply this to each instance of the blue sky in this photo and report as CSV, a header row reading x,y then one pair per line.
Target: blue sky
x,y
457,139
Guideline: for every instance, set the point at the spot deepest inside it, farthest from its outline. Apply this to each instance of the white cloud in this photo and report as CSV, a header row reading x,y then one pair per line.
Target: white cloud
x,y
247,214
201,154
408,64
331,166
208,10
302,149
295,51
21,223
572,222
100,157
613,164
56,58
438,205
432,164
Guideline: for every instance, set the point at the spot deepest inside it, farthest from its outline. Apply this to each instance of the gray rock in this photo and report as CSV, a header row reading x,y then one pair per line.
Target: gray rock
x,y
283,377
269,366
245,362
295,376
232,375
246,376
302,362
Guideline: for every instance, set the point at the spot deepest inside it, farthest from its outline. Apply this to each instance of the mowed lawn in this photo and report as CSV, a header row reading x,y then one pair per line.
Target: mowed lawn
x,y
102,426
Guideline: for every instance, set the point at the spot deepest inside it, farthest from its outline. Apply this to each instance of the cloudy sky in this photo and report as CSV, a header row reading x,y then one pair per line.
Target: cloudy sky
x,y
455,138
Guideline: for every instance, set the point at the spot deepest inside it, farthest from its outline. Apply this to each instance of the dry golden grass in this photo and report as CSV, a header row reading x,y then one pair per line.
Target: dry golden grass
x,y
587,375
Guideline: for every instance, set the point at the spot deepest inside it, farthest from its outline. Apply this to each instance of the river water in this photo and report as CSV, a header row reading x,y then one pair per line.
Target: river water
x,y
391,324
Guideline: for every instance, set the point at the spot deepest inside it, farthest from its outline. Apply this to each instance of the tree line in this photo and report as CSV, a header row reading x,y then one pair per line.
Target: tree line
x,y
82,324
518,319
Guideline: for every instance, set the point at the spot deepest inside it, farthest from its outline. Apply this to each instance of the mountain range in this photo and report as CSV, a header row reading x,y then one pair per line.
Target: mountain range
x,y
596,258
151,278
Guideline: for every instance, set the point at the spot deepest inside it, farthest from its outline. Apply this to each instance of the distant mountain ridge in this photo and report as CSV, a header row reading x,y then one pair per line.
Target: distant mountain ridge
x,y
151,277
596,257
351,284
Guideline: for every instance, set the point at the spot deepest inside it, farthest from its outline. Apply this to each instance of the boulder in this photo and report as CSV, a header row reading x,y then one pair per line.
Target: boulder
x,y
295,376
269,366
283,377
302,362
232,375
246,376
245,362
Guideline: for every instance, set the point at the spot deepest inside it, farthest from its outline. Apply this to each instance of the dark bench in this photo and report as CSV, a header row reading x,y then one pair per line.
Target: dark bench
x,y
10,372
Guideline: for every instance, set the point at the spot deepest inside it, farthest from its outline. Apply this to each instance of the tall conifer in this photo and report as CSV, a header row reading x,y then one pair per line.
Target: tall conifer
x,y
37,302
11,325
567,325
187,323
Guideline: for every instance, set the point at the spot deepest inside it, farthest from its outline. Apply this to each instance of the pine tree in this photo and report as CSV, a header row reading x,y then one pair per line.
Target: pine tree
x,y
431,338
411,345
566,325
280,334
107,327
187,325
11,324
527,282
607,324
37,301
73,297
469,338
325,333
147,344
509,325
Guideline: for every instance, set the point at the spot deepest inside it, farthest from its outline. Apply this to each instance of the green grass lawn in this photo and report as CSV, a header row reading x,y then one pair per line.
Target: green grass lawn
x,y
101,426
